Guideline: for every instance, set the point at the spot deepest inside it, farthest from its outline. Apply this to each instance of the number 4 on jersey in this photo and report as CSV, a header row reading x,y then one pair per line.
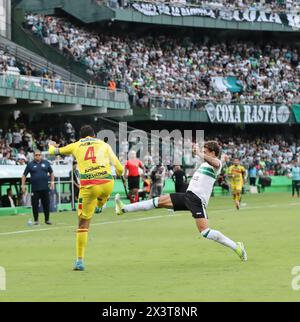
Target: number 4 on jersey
x,y
90,154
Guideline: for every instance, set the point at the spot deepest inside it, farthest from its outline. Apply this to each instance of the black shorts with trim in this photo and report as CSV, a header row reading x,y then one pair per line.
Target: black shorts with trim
x,y
188,201
133,182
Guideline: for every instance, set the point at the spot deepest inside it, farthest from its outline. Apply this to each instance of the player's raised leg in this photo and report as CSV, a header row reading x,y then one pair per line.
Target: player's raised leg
x,y
198,210
163,201
184,201
218,237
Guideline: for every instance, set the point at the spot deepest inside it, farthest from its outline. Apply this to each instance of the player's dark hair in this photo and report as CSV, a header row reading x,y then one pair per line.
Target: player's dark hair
x,y
213,146
85,131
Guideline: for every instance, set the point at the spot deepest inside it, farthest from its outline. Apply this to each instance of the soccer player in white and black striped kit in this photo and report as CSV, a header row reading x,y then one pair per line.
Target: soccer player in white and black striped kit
x,y
195,199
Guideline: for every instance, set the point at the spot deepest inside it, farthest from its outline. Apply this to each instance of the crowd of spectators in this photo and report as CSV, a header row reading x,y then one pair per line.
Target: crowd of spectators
x,y
175,72
18,144
272,156
24,71
260,156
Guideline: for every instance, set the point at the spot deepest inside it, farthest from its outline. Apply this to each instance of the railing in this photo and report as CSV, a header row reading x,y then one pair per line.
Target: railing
x,y
24,55
192,104
180,103
55,86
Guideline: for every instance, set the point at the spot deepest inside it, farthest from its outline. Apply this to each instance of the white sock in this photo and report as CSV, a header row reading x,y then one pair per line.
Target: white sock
x,y
141,206
219,238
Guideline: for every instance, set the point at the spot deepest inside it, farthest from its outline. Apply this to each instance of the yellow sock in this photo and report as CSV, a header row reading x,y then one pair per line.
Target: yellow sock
x,y
81,242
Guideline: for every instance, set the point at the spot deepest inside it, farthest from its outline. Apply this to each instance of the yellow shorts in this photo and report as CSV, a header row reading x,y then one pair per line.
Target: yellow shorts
x,y
236,188
93,196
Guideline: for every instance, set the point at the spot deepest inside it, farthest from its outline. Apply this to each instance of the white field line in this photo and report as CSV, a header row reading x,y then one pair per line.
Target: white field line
x,y
146,218
95,224
256,207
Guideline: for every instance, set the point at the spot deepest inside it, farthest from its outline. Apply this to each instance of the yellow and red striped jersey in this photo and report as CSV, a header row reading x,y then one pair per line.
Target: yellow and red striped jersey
x,y
94,158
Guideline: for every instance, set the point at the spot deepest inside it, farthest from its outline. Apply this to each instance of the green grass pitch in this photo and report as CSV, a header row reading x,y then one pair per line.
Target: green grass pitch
x,y
157,255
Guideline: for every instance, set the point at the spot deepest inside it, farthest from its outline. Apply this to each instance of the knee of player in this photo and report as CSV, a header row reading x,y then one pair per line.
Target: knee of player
x,y
83,227
83,224
162,201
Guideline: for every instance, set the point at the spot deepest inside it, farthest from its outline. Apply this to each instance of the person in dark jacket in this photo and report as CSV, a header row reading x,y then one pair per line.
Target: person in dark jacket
x,y
39,170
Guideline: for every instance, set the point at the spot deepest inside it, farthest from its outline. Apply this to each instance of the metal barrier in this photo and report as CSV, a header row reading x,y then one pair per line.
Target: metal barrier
x,y
57,86
175,103
192,104
63,177
24,55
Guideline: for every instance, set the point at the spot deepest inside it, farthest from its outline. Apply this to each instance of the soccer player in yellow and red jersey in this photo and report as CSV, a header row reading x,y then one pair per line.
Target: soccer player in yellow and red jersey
x,y
94,158
237,175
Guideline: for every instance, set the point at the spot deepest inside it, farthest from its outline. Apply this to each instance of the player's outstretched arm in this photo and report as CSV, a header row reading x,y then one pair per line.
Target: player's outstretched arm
x,y
55,150
214,162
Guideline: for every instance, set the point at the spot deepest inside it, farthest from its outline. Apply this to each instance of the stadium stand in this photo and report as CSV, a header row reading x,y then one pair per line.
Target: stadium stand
x,y
36,62
9,66
181,73
272,156
29,74
165,71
